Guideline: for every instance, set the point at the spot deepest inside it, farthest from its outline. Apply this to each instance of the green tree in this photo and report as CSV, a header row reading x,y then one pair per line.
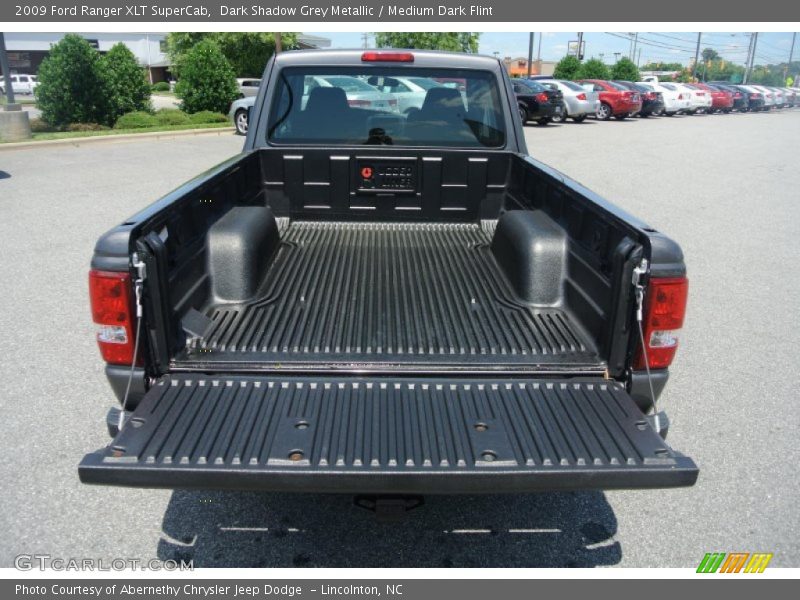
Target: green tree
x,y
625,70
128,89
73,84
662,66
207,81
248,52
567,68
593,69
709,54
449,41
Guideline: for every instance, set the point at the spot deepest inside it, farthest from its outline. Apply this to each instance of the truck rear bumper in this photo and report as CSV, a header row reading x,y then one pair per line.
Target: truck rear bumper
x,y
384,436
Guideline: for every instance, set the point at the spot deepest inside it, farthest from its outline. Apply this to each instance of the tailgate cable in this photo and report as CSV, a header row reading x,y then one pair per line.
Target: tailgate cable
x,y
137,288
638,272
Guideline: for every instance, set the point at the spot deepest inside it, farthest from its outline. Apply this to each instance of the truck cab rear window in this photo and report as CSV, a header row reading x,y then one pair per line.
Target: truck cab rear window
x,y
387,106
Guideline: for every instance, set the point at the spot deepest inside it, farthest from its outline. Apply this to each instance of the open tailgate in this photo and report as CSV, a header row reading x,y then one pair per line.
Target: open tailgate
x,y
387,435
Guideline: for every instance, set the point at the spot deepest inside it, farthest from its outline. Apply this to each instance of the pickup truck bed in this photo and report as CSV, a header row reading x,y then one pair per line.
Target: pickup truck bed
x,y
374,294
374,302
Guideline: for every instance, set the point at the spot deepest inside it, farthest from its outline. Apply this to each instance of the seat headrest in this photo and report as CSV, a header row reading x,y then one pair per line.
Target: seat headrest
x,y
327,99
443,99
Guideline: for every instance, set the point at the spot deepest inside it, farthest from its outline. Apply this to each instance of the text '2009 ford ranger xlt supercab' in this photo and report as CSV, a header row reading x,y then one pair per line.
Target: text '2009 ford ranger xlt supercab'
x,y
381,297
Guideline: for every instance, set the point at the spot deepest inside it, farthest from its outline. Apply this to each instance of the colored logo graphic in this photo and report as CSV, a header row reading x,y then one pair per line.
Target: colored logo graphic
x,y
734,562
366,172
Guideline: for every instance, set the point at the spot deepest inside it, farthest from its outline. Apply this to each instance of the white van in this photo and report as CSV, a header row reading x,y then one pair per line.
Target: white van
x,y
21,84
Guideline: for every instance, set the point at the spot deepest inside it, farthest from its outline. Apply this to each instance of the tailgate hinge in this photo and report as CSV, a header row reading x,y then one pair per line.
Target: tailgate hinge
x,y
639,272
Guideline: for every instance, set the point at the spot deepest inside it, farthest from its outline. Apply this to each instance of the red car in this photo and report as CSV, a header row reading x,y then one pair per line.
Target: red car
x,y
721,100
615,100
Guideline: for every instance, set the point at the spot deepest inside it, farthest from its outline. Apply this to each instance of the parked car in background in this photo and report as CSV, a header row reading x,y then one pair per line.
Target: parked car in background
x,y
239,113
675,100
409,91
248,87
701,99
652,101
615,100
780,100
20,84
738,97
537,102
721,99
791,96
578,102
755,98
769,96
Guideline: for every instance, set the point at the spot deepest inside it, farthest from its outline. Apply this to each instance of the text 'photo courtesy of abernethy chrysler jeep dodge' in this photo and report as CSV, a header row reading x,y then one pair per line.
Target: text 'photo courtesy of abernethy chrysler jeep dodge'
x,y
386,303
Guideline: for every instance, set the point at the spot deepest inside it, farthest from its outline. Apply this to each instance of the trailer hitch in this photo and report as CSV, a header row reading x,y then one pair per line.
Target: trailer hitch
x,y
390,507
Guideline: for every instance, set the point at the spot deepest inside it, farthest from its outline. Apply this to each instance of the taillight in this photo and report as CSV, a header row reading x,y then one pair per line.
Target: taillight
x,y
358,103
664,311
581,96
387,57
542,97
393,102
755,96
112,312
680,96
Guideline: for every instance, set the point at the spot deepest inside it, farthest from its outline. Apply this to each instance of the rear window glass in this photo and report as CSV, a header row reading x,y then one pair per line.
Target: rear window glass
x,y
669,86
534,86
618,86
339,106
571,85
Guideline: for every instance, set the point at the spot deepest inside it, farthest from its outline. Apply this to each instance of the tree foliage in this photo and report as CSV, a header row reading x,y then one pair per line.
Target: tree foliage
x,y
593,68
128,89
429,40
73,84
247,52
567,68
709,54
208,82
625,70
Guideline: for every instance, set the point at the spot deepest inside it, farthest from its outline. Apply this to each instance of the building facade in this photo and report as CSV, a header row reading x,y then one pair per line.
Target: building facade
x,y
27,50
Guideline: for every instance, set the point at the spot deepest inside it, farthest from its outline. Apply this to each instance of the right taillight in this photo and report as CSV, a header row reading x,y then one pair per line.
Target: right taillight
x,y
664,311
542,97
581,96
111,298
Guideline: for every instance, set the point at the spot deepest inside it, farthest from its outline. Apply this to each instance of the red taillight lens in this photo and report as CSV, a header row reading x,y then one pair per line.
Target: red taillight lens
x,y
581,96
665,308
387,57
680,96
542,97
112,312
358,103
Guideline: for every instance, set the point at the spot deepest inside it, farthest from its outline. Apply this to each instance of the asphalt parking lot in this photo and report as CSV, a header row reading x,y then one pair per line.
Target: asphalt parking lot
x,y
725,186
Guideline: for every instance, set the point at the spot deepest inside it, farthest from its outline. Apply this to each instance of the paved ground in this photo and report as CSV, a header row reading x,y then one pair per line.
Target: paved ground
x,y
724,186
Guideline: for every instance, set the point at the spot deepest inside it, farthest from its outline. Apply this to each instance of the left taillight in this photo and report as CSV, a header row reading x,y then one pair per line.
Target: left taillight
x,y
542,97
111,298
664,311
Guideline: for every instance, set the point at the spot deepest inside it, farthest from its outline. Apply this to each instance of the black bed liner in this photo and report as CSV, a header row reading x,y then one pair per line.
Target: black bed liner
x,y
382,435
403,294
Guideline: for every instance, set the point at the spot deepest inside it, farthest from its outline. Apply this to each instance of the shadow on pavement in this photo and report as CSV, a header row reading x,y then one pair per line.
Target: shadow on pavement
x,y
248,529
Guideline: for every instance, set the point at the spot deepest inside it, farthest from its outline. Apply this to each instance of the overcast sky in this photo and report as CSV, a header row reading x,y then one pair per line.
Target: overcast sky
x,y
666,47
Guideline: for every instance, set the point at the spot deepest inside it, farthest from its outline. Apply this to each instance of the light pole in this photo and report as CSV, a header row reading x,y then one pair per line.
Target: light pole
x,y
530,55
696,56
